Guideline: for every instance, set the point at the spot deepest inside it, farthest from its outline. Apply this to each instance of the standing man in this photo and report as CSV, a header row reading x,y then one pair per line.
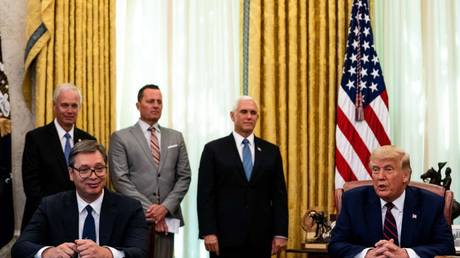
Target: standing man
x,y
242,199
149,163
89,222
47,149
391,218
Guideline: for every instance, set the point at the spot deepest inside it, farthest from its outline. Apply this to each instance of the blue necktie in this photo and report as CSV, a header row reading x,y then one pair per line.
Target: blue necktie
x,y
247,159
67,147
89,228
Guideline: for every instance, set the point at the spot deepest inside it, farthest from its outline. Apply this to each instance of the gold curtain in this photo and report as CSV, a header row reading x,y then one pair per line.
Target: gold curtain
x,y
296,51
72,41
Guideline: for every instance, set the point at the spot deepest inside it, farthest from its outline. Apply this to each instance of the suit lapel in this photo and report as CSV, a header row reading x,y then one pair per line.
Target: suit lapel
x,y
107,218
410,215
258,154
136,130
164,142
77,135
70,221
235,156
55,143
373,211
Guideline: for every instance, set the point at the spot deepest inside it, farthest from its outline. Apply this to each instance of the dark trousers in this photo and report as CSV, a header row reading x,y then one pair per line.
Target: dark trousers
x,y
245,251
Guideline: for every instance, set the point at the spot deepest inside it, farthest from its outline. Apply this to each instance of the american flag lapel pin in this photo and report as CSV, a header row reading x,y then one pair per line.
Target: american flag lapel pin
x,y
414,216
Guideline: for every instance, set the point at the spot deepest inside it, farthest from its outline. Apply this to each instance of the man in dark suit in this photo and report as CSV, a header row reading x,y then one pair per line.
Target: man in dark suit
x,y
44,161
89,222
242,199
390,218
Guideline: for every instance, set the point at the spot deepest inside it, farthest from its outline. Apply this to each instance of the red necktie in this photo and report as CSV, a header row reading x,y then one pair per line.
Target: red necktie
x,y
390,230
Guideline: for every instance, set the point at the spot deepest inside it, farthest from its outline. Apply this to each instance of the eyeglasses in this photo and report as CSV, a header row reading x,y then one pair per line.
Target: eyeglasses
x,y
85,172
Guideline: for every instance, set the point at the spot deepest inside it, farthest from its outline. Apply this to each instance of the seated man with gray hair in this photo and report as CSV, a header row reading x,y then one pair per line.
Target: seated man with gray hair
x,y
90,221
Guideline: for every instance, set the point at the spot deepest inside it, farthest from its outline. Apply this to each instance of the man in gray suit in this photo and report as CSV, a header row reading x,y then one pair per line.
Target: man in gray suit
x,y
150,163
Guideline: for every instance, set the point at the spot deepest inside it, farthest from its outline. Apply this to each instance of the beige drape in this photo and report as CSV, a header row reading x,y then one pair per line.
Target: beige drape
x,y
296,51
72,41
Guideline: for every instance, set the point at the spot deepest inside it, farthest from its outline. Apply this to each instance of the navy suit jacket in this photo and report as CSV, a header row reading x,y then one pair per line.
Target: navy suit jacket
x,y
122,225
44,169
359,225
239,211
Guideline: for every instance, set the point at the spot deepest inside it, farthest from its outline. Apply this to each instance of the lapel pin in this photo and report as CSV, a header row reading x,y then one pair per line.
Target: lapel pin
x,y
414,216
259,149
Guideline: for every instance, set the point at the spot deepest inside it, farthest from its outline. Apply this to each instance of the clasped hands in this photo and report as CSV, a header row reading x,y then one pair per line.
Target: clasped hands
x,y
86,248
156,214
386,249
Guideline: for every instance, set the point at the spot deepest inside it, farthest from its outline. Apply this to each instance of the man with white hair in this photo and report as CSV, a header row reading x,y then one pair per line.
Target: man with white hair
x,y
47,149
242,198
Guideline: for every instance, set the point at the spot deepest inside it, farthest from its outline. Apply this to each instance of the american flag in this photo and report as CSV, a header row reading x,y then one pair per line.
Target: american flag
x,y
362,108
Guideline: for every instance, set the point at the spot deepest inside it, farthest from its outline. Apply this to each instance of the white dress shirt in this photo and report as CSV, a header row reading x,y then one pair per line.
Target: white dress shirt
x,y
239,144
82,213
145,129
61,132
397,212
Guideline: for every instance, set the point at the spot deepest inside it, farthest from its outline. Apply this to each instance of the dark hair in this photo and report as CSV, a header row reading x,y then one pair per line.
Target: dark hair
x,y
86,146
140,94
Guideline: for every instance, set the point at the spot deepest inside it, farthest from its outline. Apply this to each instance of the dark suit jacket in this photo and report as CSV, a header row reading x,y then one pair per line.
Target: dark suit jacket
x,y
236,210
122,225
359,225
44,169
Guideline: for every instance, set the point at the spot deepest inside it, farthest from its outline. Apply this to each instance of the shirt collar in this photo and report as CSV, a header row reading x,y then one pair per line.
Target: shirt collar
x,y
96,205
61,130
239,139
398,203
145,126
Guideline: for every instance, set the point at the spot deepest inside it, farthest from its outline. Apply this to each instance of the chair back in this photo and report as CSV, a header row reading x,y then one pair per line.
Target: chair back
x,y
439,190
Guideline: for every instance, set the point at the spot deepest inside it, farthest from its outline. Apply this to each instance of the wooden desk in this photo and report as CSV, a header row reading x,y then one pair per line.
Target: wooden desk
x,y
311,252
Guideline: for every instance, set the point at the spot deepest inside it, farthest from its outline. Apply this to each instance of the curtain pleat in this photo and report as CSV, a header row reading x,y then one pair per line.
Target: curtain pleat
x,y
77,46
296,51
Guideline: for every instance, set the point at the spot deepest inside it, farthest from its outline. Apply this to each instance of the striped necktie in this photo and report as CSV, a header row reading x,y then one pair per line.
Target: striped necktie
x,y
154,147
390,230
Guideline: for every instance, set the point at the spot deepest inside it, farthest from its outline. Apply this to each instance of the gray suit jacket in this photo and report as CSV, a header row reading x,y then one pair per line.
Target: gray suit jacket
x,y
135,174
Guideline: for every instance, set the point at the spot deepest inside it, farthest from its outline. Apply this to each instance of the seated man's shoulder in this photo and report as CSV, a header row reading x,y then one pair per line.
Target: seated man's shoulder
x,y
360,192
425,196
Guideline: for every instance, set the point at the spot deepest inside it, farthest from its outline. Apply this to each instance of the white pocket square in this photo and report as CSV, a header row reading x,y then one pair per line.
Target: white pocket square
x,y
172,146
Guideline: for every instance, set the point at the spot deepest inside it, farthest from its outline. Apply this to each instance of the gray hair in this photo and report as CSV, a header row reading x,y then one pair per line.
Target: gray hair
x,y
241,98
66,87
86,146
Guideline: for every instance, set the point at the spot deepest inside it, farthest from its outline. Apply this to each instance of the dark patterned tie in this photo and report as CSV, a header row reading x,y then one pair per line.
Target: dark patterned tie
x,y
89,227
390,230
